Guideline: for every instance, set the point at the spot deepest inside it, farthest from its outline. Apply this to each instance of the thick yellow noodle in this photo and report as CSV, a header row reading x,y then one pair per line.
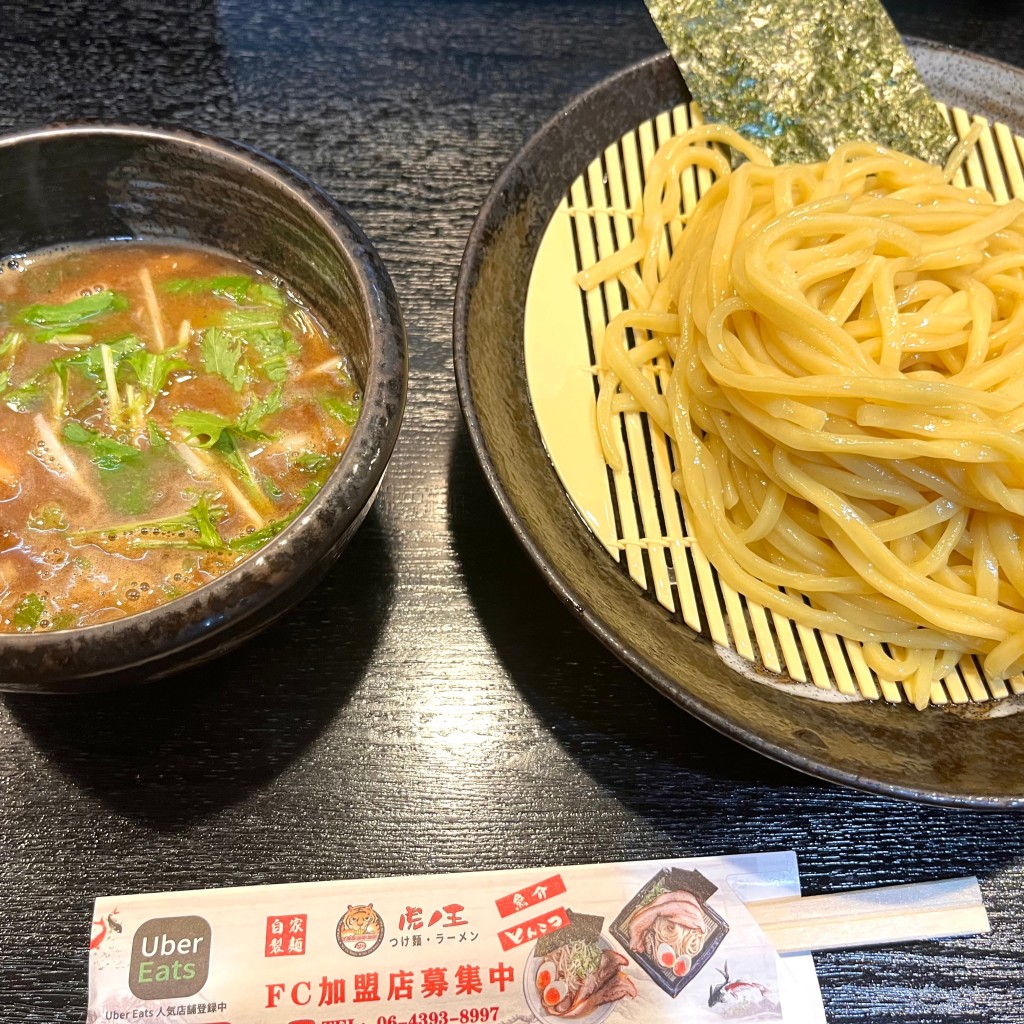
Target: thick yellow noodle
x,y
839,357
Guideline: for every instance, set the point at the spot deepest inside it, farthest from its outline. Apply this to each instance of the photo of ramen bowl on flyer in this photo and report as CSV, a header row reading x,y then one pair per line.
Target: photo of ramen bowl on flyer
x,y
575,973
669,929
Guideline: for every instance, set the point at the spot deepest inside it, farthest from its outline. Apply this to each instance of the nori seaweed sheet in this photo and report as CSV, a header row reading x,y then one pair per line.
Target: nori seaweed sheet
x,y
581,928
690,881
800,77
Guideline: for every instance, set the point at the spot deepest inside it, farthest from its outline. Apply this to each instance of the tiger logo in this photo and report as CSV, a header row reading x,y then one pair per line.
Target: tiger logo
x,y
360,930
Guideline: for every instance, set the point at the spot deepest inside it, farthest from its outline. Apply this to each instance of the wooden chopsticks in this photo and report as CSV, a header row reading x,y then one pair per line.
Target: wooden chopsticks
x,y
872,917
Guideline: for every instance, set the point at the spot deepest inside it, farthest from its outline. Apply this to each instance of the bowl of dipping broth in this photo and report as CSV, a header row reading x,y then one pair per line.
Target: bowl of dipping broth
x,y
203,370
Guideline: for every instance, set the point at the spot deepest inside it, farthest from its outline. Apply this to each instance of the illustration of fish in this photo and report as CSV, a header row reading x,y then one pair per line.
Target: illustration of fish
x,y
729,991
105,925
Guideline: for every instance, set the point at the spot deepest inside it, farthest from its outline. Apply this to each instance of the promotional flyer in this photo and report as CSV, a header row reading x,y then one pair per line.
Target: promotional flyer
x,y
640,942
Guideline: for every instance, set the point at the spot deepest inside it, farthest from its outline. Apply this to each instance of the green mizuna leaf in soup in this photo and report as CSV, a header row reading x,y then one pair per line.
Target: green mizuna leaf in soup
x,y
10,344
153,368
89,361
251,319
128,474
346,412
213,432
157,438
260,329
28,612
204,519
232,286
248,426
256,411
194,529
247,542
130,490
229,448
240,288
310,491
267,294
273,345
312,462
222,354
26,396
203,429
69,315
105,452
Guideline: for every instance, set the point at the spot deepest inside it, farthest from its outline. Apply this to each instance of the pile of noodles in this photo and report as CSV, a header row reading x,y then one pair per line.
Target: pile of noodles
x,y
837,352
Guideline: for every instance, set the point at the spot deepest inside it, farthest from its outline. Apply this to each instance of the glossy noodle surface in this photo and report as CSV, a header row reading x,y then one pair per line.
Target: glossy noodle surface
x,y
164,412
834,350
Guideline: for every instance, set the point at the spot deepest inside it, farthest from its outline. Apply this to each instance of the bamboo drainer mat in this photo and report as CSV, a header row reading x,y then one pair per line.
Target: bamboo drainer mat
x,y
636,513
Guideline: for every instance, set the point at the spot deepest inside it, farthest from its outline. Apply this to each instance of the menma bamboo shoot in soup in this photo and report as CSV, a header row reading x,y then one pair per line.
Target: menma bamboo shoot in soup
x,y
164,412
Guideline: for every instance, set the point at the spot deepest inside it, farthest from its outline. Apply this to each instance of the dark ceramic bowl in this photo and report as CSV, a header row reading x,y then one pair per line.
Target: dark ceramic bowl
x,y
940,755
84,183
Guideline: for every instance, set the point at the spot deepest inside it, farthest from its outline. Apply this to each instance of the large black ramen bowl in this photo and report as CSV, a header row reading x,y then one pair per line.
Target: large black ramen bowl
x,y
88,183
972,757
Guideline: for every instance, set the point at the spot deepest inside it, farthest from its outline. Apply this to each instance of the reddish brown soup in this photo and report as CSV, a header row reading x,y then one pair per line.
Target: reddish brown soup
x,y
164,412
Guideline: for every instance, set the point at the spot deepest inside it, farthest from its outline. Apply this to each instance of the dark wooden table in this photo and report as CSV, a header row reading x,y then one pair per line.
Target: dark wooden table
x,y
431,706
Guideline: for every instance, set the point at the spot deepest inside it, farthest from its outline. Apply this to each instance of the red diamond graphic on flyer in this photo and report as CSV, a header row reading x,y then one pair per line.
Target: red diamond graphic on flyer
x,y
639,942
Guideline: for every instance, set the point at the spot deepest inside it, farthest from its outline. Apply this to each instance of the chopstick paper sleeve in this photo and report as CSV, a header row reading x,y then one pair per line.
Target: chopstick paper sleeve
x,y
873,917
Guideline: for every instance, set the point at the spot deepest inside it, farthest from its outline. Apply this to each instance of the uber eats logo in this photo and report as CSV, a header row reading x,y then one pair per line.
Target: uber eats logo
x,y
170,957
